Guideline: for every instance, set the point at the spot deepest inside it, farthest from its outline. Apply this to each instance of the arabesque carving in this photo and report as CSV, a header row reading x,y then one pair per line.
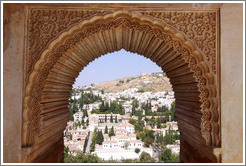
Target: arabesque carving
x,y
46,25
160,32
199,26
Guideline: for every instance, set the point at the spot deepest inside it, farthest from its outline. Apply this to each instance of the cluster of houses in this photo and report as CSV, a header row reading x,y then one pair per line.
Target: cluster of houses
x,y
75,139
117,147
124,143
157,99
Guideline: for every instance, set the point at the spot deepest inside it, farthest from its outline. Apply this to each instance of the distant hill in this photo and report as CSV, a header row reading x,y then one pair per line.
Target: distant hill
x,y
145,82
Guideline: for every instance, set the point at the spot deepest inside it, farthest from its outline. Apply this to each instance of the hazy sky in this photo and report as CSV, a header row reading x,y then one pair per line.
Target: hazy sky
x,y
113,66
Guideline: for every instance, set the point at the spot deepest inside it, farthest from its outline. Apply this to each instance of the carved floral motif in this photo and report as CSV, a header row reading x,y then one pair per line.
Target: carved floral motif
x,y
45,25
198,26
209,124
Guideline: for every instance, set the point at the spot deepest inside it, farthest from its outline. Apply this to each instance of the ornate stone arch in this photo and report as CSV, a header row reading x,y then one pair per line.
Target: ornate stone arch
x,y
51,79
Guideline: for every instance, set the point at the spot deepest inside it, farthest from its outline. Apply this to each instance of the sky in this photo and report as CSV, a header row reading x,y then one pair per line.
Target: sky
x,y
113,66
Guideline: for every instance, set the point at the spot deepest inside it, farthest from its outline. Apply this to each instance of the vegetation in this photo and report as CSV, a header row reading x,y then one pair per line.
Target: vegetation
x,y
167,156
121,81
99,138
81,157
93,140
106,130
132,121
146,158
146,89
115,108
137,150
170,138
111,132
147,136
135,105
77,104
111,118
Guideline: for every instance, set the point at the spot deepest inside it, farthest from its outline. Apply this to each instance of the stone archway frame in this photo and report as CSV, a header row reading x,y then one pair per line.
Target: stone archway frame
x,y
166,39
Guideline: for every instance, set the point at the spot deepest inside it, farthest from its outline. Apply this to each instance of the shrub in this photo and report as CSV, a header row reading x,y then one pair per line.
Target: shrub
x,y
137,150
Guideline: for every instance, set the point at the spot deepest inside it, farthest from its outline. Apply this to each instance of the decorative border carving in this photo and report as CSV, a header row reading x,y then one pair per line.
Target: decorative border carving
x,y
199,26
188,50
46,25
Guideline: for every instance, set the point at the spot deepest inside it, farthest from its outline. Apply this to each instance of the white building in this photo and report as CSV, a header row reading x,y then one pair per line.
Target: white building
x,y
78,116
120,147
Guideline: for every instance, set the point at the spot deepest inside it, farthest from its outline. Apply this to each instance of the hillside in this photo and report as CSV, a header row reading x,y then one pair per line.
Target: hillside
x,y
146,82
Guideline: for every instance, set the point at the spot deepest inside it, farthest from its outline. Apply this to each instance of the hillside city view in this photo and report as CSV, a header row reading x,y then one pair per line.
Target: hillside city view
x,y
128,120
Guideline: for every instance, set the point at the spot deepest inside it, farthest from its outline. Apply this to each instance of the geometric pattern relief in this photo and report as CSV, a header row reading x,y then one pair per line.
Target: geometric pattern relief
x,y
45,25
198,26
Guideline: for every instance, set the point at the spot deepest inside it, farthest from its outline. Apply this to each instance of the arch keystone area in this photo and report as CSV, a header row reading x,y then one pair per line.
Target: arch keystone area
x,y
50,80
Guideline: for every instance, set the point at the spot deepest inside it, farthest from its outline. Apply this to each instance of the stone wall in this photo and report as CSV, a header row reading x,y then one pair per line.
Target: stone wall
x,y
13,54
232,82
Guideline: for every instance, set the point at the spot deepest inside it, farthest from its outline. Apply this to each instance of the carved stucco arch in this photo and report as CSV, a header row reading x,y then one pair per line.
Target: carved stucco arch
x,y
169,48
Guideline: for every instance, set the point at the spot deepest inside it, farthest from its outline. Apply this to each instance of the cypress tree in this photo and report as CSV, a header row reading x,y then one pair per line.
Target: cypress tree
x,y
106,130
158,122
111,118
111,132
99,138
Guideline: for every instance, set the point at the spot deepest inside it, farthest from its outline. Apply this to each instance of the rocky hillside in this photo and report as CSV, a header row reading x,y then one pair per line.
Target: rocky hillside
x,y
145,82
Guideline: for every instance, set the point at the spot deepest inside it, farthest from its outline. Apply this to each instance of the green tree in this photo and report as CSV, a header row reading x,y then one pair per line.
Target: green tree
x,y
71,118
148,141
82,158
87,122
66,150
142,135
93,140
133,110
151,134
137,150
85,113
138,127
116,120
111,132
138,134
99,138
106,107
158,122
139,119
105,119
176,136
172,111
132,121
167,156
111,118
106,130
146,158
